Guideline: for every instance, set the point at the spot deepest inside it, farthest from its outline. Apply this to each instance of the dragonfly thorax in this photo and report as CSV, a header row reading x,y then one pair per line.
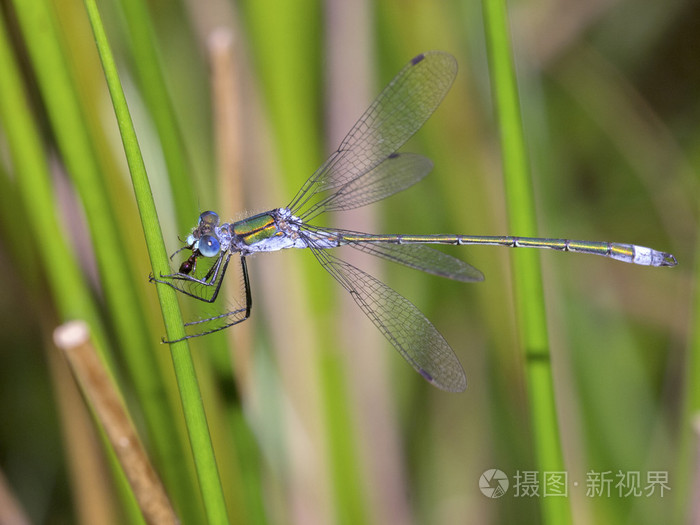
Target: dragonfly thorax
x,y
273,230
270,231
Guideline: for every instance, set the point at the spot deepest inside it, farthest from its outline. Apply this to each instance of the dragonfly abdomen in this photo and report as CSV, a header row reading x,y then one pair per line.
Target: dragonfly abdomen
x,y
629,253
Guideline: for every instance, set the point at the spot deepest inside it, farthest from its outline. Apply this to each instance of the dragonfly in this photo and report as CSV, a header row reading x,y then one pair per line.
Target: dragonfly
x,y
364,169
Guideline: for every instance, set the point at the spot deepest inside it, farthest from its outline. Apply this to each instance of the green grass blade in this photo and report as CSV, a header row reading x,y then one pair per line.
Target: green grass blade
x,y
124,304
527,278
193,408
157,97
688,431
69,290
34,186
286,48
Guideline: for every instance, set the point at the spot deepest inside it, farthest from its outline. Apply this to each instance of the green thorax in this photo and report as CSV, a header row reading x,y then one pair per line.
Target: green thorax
x,y
256,228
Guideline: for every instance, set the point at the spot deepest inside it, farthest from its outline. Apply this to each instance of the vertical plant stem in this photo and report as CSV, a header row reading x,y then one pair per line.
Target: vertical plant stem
x,y
688,468
66,283
101,393
527,278
285,45
195,418
347,42
158,99
68,288
226,83
66,111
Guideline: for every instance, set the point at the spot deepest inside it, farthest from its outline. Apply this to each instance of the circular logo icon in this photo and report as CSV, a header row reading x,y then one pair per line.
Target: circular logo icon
x,y
493,483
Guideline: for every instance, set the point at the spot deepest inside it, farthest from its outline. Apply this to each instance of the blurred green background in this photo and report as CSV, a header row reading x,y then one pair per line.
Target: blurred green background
x,y
314,417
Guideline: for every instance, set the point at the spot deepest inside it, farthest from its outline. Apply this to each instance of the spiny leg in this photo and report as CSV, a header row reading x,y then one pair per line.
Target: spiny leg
x,y
211,281
237,315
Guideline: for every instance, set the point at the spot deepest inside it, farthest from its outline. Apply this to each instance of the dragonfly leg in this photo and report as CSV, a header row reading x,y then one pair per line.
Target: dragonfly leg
x,y
213,278
234,316
207,280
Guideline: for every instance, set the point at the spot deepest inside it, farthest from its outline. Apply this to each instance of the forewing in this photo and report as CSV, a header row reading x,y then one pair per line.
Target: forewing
x,y
396,114
396,173
411,333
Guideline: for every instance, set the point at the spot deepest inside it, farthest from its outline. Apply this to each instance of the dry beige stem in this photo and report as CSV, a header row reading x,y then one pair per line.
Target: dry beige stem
x,y
99,391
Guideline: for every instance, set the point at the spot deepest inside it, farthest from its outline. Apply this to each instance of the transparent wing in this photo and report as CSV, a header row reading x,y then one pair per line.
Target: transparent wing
x,y
396,173
415,338
396,114
417,256
424,258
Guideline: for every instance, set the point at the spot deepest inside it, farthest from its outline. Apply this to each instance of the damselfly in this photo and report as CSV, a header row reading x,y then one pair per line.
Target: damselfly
x,y
364,169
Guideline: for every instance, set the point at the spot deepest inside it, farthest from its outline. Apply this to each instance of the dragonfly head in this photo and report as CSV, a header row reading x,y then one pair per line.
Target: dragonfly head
x,y
203,241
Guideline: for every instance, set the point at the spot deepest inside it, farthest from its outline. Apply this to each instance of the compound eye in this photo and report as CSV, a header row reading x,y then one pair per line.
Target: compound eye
x,y
209,245
209,218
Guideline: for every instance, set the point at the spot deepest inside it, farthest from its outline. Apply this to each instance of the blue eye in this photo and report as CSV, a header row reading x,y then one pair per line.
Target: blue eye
x,y
209,245
209,218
